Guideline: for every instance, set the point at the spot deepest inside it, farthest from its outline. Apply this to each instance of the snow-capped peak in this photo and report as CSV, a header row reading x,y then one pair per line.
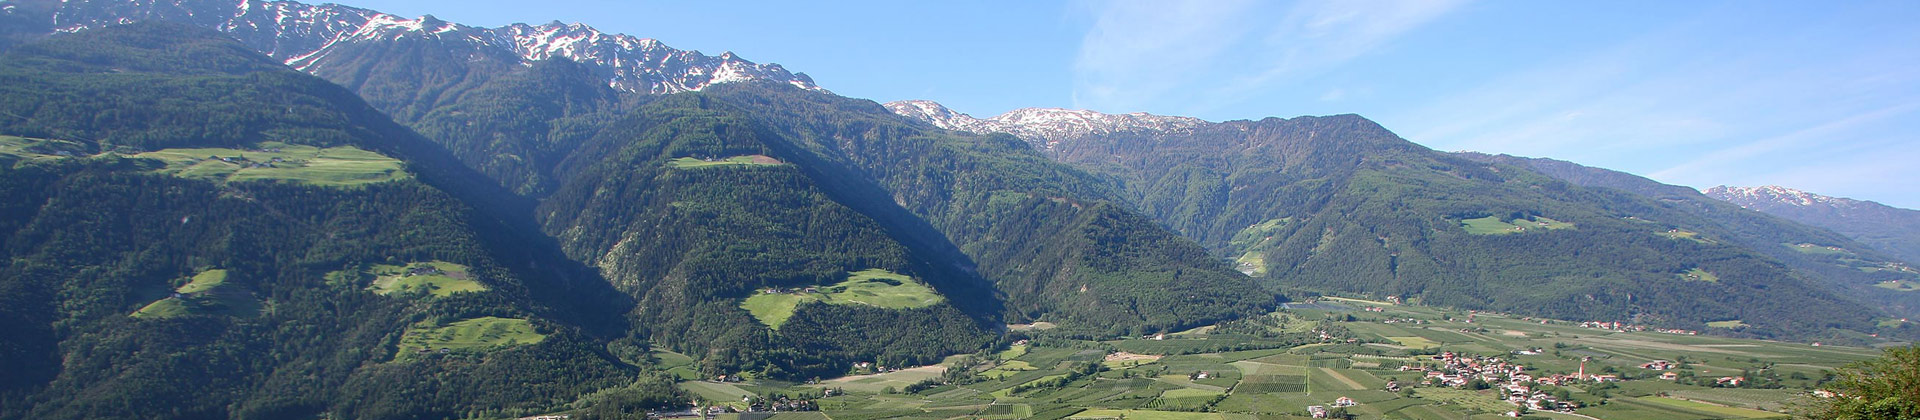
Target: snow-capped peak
x,y
304,35
1045,127
1749,196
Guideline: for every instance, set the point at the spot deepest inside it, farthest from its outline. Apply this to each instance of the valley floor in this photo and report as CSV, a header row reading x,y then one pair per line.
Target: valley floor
x,y
1366,359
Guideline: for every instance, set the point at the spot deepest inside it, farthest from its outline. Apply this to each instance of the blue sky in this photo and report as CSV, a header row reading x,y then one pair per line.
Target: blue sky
x,y
1822,96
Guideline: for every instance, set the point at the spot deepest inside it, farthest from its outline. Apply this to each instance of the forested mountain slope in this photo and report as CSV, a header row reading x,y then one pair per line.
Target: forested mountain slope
x,y
1341,204
1848,265
1892,230
193,229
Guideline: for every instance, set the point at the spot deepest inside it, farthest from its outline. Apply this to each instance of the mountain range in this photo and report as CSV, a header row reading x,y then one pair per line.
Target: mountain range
x,y
258,209
1893,230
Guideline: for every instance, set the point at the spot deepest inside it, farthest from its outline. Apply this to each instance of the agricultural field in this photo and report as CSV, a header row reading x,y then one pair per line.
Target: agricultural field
x,y
206,293
1900,285
696,163
23,149
272,161
1493,225
435,278
872,287
1733,324
1697,274
1185,375
1818,250
477,334
1678,234
268,161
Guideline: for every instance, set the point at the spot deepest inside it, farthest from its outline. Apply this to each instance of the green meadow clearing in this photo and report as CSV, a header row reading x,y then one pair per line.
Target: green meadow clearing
x,y
1697,274
872,287
24,149
274,161
1900,285
1817,249
749,160
268,161
436,278
1677,234
467,335
1727,324
1492,225
205,293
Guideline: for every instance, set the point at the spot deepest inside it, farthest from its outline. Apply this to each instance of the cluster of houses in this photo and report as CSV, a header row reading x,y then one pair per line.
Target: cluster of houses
x,y
1457,370
784,290
1320,412
423,270
1625,327
754,405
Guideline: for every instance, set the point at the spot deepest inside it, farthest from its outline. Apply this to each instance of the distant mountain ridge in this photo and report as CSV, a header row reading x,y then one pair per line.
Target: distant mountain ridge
x,y
1045,128
1890,229
310,37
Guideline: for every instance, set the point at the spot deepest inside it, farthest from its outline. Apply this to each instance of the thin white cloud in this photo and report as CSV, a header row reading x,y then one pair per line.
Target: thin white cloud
x,y
1196,55
1800,142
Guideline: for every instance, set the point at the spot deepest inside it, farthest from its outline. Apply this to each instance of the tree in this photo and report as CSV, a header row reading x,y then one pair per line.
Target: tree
x,y
1883,388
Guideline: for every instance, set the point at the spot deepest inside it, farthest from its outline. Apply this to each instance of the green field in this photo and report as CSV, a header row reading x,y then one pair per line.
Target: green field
x,y
1492,225
1252,263
1154,415
273,161
205,293
750,160
1697,274
1900,285
1415,342
872,287
1734,324
1677,234
1817,249
467,335
679,365
717,392
28,149
1729,412
437,278
1251,243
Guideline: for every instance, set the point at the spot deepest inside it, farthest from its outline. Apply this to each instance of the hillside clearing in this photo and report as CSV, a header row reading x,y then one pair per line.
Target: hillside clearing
x,y
206,293
748,160
436,278
872,287
1493,225
467,335
341,166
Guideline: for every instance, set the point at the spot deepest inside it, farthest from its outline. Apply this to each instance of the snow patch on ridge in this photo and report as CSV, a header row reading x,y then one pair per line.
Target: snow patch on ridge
x,y
303,35
1046,128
